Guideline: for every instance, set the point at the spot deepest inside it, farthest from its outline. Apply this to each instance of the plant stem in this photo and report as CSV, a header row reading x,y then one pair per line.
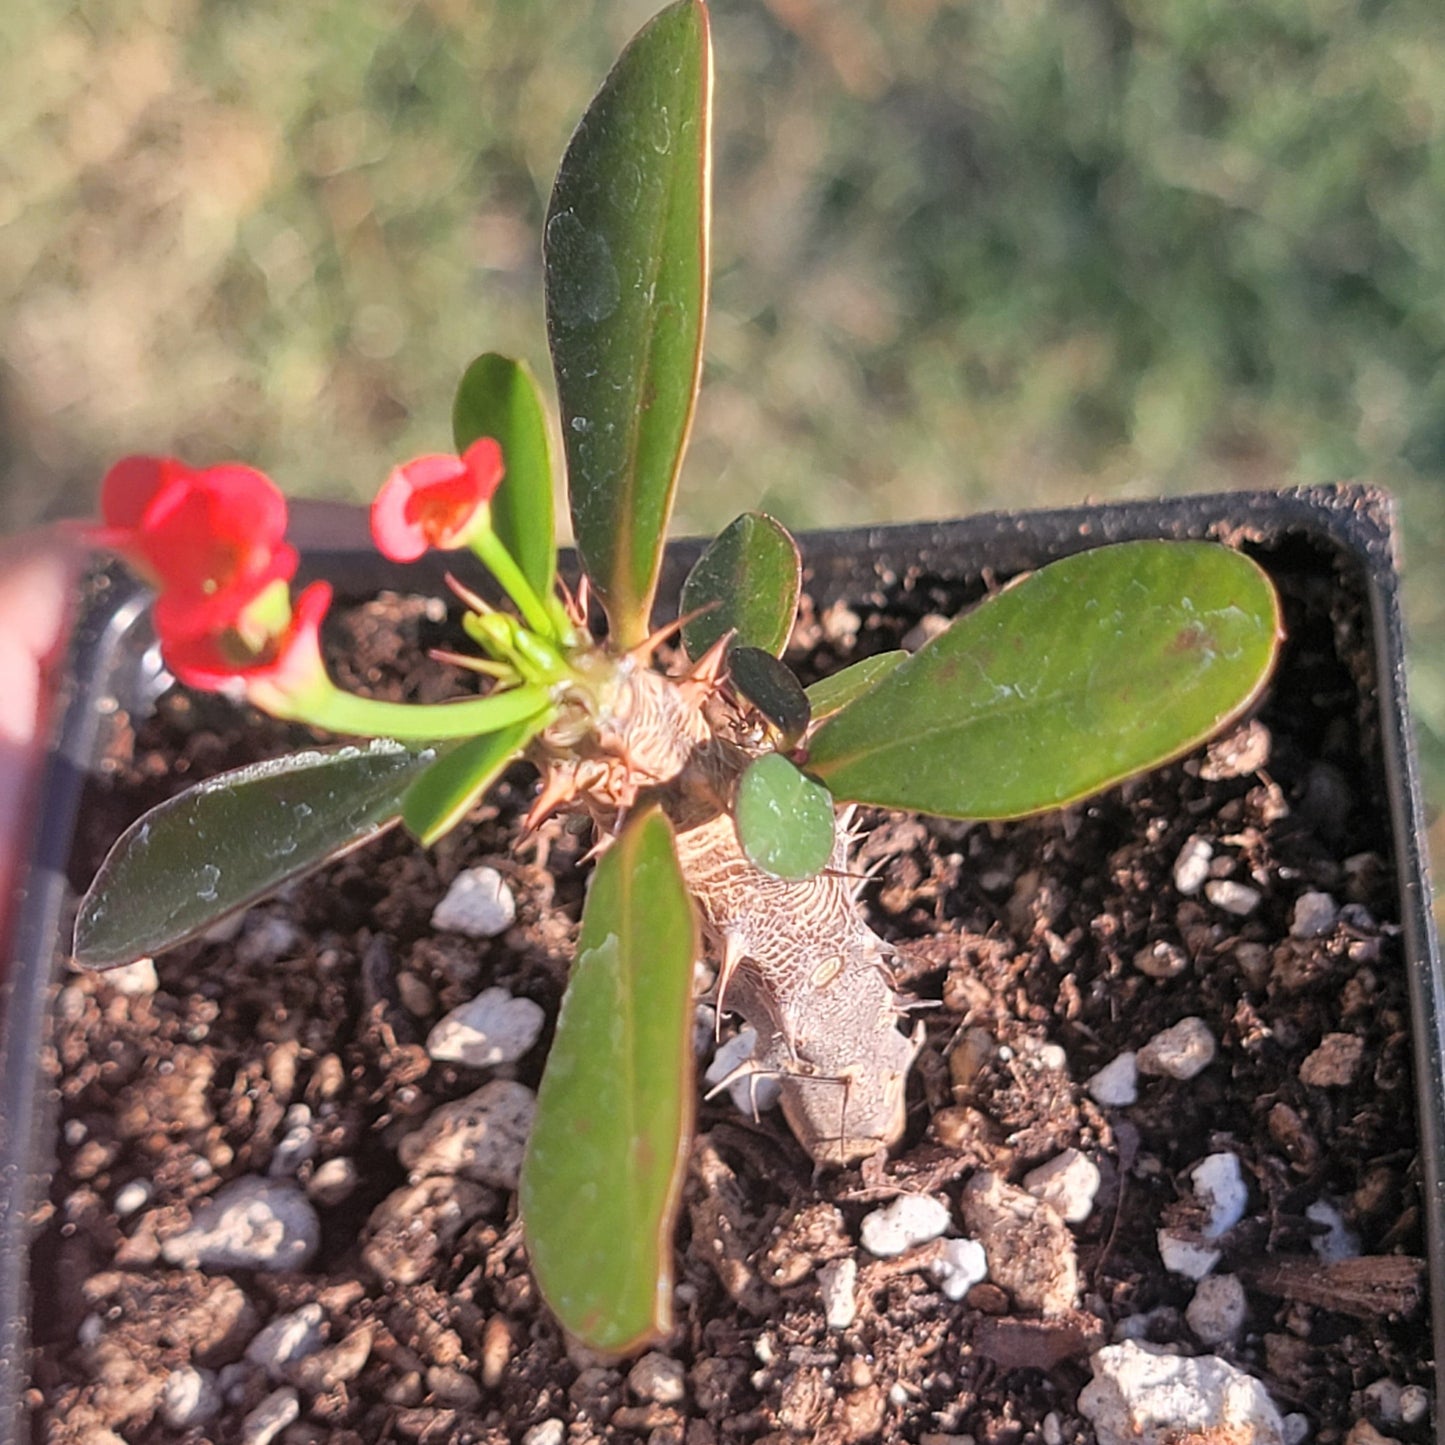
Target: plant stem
x,y
344,712
495,557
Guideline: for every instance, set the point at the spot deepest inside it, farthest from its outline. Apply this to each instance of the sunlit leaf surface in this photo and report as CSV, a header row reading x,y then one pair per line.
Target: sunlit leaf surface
x,y
748,579
784,820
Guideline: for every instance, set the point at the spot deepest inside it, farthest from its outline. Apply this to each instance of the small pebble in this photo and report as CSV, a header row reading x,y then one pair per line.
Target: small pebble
x,y
1117,1083
1414,1404
1338,1241
1238,754
417,1223
838,1281
296,1146
130,1197
1069,1181
479,903
135,980
1219,1186
1384,1398
1179,1052
496,1351
336,1364
494,1028
288,1339
266,937
481,1137
658,1378
1052,1429
1161,960
1217,1312
753,1091
1314,914
416,996
1191,867
190,1397
1335,1063
250,1223
1186,1256
334,1181
453,1389
1029,1249
1236,898
270,1417
1296,1429
1137,1397
961,1265
549,1432
908,1220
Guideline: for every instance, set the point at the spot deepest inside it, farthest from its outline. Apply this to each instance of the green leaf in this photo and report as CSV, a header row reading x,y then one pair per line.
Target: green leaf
x,y
498,398
232,840
605,1161
752,571
625,263
784,819
1095,668
771,688
438,800
832,694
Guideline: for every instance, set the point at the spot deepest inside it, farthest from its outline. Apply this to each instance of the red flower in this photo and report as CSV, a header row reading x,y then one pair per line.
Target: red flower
x,y
436,501
278,671
210,541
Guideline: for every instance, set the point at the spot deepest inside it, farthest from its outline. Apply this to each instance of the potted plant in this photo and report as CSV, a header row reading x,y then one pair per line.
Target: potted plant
x,y
1199,622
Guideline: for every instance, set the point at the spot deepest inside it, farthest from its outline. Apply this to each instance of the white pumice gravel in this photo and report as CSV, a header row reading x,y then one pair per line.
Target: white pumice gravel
x,y
1069,1181
1237,898
250,1223
548,1432
1117,1083
752,1090
1180,1052
334,1181
1219,1186
1180,1255
135,980
493,1028
265,937
1191,867
659,1378
1414,1404
287,1339
1314,914
1218,1310
479,903
131,1197
838,1283
189,1398
270,1417
960,1265
481,1137
1138,1397
908,1220
1338,1241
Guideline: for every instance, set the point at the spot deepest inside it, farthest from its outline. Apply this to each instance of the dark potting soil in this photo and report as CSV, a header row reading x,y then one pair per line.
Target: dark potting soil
x,y
1049,947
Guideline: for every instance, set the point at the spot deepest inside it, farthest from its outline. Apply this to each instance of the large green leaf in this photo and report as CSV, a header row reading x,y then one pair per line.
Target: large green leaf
x,y
234,839
498,398
604,1165
748,579
1094,668
625,261
438,800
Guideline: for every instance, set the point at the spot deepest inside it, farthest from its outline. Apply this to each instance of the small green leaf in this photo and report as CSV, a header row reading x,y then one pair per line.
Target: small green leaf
x,y
625,271
499,398
784,819
438,800
232,840
1090,670
752,571
835,693
771,688
605,1161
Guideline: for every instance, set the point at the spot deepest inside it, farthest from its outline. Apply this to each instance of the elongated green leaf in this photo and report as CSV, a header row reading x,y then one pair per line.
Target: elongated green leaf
x,y
438,800
784,819
625,259
836,692
604,1164
498,398
232,840
1094,668
771,688
752,572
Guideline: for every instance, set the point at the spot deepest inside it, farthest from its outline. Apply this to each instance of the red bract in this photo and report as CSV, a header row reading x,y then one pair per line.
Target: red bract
x,y
282,668
436,501
210,540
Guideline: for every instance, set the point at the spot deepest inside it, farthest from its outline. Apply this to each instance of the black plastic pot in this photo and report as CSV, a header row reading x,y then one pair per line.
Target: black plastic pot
x,y
1345,533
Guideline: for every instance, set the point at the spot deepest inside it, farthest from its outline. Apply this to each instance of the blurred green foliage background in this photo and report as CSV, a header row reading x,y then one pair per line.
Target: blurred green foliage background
x,y
968,255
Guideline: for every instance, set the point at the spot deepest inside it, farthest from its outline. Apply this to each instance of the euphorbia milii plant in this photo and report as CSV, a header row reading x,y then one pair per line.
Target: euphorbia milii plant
x,y
714,792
